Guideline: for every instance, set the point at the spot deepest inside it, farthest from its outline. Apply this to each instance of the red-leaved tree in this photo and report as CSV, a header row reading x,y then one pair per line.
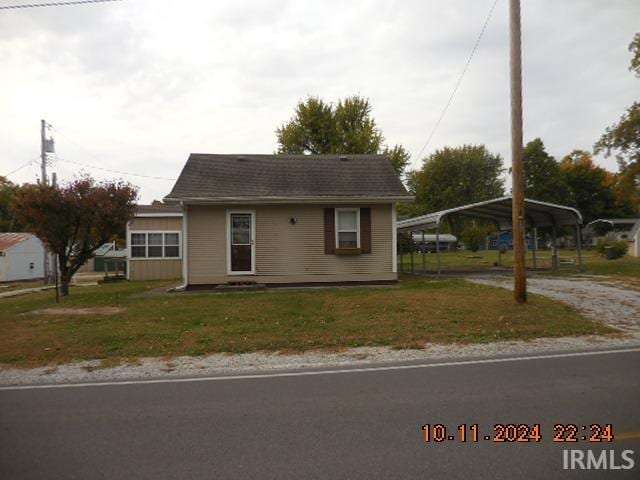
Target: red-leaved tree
x,y
75,219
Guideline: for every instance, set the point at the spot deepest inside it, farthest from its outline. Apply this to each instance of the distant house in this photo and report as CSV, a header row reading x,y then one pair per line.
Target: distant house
x,y
154,243
619,229
21,257
284,219
505,240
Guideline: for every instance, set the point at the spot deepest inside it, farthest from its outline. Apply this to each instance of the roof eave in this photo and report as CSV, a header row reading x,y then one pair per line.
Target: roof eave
x,y
158,215
288,200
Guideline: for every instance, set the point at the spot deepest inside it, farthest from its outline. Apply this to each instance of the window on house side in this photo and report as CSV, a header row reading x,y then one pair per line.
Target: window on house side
x,y
139,245
171,245
348,228
155,245
154,249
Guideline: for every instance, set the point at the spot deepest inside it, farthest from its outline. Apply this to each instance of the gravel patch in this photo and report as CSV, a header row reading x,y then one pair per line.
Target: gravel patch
x,y
221,364
613,304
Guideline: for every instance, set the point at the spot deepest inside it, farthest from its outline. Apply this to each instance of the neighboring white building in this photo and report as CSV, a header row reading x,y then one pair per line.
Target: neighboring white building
x,y
21,257
634,240
619,229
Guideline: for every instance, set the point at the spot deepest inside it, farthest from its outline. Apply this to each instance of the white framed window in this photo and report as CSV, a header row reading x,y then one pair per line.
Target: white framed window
x,y
347,228
154,245
171,245
138,245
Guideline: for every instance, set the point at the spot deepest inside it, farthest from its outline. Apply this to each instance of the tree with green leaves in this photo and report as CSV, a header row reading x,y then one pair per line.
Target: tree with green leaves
x,y
592,188
347,127
451,177
623,140
8,221
542,175
76,219
634,48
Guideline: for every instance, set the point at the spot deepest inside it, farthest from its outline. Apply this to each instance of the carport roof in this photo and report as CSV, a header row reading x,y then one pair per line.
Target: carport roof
x,y
538,214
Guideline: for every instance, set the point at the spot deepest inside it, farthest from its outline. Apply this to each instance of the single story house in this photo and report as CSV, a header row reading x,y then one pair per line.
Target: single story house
x,y
154,243
21,257
286,219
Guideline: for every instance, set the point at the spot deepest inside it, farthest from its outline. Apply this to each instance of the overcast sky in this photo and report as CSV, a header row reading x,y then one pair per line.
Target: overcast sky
x,y
135,86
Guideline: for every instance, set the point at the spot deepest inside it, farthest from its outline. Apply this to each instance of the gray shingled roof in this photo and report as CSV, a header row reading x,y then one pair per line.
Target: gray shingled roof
x,y
158,209
264,177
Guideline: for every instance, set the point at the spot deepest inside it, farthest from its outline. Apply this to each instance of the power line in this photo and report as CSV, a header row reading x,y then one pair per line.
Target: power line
x,y
455,89
20,167
120,172
53,4
100,168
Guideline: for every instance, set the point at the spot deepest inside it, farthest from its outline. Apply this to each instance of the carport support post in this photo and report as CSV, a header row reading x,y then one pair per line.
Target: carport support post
x,y
579,246
411,250
401,256
534,245
498,247
554,248
424,253
438,246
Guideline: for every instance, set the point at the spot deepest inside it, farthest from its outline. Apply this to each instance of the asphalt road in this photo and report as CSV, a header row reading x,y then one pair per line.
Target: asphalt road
x,y
345,425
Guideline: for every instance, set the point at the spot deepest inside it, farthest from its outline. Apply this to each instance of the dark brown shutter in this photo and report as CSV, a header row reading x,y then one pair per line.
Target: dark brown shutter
x,y
365,230
329,231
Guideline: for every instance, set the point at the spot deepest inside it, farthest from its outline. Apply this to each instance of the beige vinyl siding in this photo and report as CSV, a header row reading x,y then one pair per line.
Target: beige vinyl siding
x,y
173,224
287,252
206,248
158,269
155,269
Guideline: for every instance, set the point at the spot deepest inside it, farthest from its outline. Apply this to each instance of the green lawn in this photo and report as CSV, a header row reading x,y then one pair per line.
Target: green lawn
x,y
594,263
405,316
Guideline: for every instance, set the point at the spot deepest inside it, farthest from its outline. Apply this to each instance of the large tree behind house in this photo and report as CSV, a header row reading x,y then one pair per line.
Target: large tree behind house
x,y
321,128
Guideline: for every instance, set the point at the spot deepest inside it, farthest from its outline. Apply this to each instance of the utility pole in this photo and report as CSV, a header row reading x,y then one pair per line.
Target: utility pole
x,y
43,181
54,183
46,146
517,167
43,152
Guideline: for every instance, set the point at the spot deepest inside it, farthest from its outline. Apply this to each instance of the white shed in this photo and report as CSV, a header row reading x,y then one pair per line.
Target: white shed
x,y
21,257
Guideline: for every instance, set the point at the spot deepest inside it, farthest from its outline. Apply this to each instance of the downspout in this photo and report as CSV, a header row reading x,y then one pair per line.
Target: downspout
x,y
128,238
185,249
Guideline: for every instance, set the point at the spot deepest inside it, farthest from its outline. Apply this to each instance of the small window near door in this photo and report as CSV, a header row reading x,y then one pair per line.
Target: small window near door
x,y
241,229
347,228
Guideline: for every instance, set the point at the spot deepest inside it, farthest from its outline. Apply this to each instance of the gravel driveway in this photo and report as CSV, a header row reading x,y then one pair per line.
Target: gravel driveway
x,y
614,305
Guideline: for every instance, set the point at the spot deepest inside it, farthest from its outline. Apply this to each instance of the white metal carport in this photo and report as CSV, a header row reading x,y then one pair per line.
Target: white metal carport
x,y
499,210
